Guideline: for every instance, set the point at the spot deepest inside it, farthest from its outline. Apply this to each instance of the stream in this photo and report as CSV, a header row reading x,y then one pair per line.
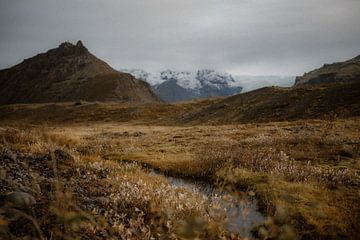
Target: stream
x,y
241,212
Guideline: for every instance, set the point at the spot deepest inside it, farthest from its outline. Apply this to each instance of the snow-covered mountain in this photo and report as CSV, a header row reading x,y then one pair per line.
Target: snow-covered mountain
x,y
173,86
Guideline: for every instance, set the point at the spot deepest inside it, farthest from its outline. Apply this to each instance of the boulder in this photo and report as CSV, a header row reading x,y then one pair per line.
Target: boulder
x,y
8,154
20,200
62,156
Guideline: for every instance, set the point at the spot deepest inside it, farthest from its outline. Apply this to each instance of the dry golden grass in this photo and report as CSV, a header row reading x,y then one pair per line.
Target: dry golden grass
x,y
309,169
91,197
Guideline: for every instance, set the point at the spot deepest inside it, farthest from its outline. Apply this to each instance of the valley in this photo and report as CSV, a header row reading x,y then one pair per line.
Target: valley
x,y
304,175
88,152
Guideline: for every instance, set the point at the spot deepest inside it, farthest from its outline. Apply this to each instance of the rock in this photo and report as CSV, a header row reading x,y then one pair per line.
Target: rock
x,y
281,215
3,174
138,134
8,154
346,153
62,156
20,200
79,44
102,211
78,103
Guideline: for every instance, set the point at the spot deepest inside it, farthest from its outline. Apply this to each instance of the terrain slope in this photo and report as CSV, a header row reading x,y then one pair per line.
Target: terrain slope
x,y
69,73
346,71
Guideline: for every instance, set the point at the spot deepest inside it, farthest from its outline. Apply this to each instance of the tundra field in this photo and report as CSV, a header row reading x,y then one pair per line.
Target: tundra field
x,y
199,120
94,180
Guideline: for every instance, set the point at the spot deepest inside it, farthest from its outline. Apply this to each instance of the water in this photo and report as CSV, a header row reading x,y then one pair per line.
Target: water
x,y
241,211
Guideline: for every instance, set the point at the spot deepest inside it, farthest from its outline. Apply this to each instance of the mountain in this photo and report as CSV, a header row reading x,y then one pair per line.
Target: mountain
x,y
250,82
174,86
281,104
333,90
267,104
69,73
347,71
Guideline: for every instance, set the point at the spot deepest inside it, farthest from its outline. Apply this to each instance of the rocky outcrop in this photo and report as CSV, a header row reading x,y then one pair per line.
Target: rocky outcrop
x,y
69,73
340,72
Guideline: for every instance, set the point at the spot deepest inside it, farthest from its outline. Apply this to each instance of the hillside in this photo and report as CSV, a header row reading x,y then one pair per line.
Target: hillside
x,y
311,101
69,73
333,90
347,71
262,105
283,104
98,170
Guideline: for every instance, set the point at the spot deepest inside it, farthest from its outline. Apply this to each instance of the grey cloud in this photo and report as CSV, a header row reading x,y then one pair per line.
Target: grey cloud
x,y
240,36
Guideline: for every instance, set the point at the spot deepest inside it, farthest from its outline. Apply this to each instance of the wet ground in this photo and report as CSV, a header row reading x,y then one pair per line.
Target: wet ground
x,y
239,209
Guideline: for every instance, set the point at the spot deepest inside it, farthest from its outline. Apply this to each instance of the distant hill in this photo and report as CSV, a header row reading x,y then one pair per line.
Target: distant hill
x,y
282,104
339,99
69,73
175,86
250,82
347,71
263,105
333,90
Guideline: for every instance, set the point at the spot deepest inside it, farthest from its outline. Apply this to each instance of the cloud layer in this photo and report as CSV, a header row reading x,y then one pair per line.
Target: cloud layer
x,y
240,36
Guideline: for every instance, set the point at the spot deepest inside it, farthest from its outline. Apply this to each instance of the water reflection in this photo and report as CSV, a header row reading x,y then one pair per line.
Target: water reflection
x,y
240,211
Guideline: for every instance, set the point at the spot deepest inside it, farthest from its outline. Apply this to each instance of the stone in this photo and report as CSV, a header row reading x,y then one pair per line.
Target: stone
x,y
8,154
79,44
62,156
346,153
3,174
20,200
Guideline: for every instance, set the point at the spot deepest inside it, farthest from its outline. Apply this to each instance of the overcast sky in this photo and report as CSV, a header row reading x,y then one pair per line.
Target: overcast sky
x,y
257,37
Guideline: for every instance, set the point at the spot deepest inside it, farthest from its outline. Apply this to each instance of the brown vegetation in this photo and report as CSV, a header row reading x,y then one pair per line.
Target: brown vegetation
x,y
347,71
69,73
262,105
77,194
305,171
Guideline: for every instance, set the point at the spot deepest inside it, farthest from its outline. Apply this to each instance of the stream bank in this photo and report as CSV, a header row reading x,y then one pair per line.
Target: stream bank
x,y
238,209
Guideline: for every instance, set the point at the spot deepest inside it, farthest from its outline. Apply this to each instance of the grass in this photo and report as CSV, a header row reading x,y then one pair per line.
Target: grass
x,y
318,190
304,174
81,195
269,104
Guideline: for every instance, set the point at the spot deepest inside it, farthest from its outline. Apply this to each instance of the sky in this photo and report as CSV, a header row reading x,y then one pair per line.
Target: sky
x,y
246,37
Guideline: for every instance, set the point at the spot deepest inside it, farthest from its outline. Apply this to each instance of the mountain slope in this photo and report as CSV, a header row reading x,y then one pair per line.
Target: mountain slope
x,y
280,104
170,91
262,105
174,86
346,71
69,73
332,90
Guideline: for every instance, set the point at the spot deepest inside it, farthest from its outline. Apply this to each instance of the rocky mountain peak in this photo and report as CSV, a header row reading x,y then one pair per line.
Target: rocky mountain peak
x,y
69,73
212,77
65,45
67,48
79,44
